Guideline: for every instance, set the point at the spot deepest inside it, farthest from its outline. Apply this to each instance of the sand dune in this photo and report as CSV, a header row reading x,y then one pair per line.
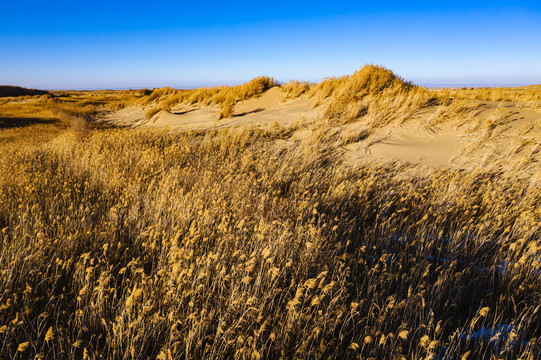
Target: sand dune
x,y
496,130
257,111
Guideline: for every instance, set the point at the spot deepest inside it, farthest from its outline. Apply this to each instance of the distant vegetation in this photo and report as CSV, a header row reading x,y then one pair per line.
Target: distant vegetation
x,y
7,91
529,96
224,244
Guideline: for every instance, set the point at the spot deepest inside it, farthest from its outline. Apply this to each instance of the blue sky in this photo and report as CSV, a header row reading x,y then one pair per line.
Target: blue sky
x,y
136,44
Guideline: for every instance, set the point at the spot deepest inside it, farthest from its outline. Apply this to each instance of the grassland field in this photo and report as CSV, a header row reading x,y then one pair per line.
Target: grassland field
x,y
361,217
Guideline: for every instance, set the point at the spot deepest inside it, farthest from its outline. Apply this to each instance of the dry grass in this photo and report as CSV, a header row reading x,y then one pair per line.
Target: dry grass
x,y
224,245
226,108
294,89
34,120
152,111
10,91
528,96
372,92
129,244
166,98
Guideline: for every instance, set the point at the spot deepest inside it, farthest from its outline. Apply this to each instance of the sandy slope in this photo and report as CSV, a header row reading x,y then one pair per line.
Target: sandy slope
x,y
265,109
497,131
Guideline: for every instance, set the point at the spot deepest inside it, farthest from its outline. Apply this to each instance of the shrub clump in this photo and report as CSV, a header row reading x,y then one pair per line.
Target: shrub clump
x,y
226,108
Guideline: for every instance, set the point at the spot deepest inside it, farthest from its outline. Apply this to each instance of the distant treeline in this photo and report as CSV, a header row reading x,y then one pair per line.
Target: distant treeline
x,y
8,90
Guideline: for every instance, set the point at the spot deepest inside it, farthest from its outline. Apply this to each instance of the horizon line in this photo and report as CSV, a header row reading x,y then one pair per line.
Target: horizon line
x,y
430,85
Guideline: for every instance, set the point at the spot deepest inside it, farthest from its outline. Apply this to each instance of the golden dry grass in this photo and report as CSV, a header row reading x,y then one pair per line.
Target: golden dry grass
x,y
294,89
524,96
166,98
131,244
226,108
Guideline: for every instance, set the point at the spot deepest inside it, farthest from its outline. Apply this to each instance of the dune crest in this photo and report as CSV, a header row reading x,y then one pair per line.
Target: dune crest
x,y
434,135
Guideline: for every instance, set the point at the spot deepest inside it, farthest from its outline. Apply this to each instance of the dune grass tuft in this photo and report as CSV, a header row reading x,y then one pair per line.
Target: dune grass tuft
x,y
166,98
226,108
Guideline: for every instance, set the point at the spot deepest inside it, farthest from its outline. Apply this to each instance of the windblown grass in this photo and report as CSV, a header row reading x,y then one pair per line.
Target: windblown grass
x,y
141,244
166,98
226,108
294,89
372,92
129,244
39,119
528,96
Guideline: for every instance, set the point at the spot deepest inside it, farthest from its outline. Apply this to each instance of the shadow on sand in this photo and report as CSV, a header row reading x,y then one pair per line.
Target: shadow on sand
x,y
183,112
249,112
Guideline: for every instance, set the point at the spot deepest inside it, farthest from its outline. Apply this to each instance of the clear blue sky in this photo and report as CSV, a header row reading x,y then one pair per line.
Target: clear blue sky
x,y
135,44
